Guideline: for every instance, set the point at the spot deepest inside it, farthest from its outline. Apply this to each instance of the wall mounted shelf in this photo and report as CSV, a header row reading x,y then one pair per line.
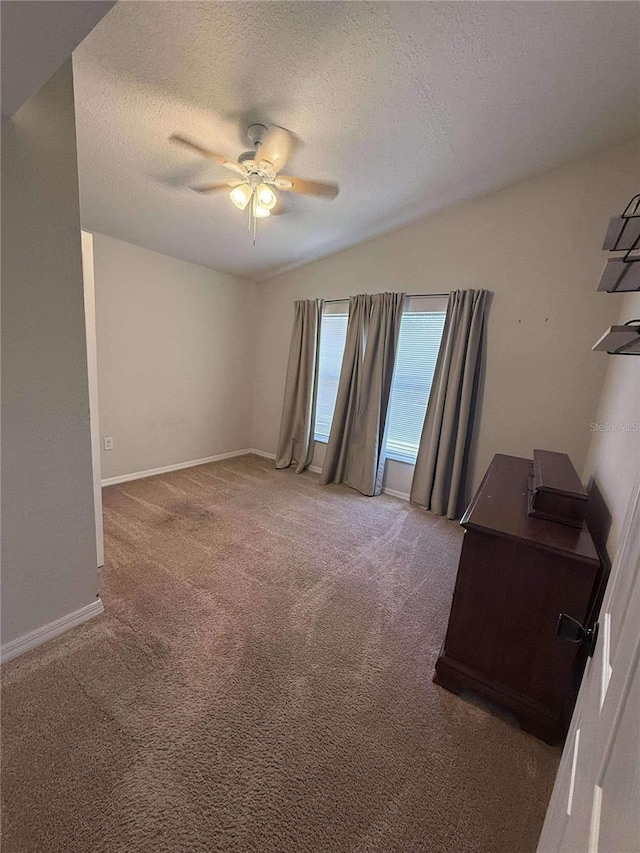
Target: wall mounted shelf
x,y
620,340
622,273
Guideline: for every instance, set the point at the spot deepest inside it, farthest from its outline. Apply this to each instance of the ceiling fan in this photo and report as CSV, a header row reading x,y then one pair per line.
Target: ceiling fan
x,y
258,172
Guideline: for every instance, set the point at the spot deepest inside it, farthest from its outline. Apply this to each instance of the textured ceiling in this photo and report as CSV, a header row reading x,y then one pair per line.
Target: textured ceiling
x,y
409,106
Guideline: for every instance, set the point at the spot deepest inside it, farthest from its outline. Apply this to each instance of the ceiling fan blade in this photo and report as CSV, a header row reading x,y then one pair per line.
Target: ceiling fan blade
x,y
298,185
277,147
219,185
206,152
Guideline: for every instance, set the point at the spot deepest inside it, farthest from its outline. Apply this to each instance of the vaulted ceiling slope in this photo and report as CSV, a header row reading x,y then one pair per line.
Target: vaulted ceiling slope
x,y
409,106
37,37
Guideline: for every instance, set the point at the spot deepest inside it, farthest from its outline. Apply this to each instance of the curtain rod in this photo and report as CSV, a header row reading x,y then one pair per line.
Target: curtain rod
x,y
409,296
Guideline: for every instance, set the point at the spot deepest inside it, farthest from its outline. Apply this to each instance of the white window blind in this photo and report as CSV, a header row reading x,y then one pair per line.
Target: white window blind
x,y
420,335
333,333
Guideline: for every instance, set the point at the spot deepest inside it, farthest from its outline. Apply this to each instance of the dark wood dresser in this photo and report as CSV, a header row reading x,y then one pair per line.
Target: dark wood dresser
x,y
516,575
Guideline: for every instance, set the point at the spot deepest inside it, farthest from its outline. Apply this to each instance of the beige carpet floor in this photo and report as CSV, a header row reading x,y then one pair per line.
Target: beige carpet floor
x,y
262,682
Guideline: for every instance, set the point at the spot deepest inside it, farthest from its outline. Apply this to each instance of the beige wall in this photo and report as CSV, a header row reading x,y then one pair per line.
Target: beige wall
x,y
536,246
613,462
48,533
175,358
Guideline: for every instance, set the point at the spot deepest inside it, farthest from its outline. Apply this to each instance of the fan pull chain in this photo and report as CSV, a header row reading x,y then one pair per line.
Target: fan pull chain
x,y
255,218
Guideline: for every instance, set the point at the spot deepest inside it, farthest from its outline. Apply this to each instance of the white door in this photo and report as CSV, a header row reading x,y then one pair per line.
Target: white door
x,y
595,805
92,367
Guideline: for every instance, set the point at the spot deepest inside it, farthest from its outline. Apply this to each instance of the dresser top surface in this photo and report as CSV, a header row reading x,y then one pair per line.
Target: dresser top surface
x,y
500,507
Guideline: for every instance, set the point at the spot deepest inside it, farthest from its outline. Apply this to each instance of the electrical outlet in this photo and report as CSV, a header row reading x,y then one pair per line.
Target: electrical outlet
x,y
108,443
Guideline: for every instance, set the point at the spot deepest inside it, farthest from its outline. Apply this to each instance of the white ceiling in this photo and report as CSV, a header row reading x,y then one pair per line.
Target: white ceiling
x,y
410,106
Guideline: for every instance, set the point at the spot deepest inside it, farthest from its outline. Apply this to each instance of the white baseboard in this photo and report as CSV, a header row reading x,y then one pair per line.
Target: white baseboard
x,y
266,455
140,475
262,453
166,469
48,632
394,494
391,492
403,496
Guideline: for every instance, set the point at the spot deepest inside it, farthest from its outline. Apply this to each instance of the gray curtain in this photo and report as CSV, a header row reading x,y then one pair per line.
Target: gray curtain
x,y
356,448
438,480
298,411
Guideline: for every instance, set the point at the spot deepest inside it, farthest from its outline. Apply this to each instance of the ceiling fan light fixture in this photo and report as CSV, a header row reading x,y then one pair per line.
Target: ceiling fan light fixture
x,y
240,196
259,170
266,197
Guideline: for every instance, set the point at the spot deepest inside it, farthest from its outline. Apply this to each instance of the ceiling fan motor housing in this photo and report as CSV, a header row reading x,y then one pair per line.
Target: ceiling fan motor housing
x,y
261,168
247,156
256,134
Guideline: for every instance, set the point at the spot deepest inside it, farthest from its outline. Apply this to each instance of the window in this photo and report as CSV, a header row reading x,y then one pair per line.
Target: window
x,y
333,333
420,335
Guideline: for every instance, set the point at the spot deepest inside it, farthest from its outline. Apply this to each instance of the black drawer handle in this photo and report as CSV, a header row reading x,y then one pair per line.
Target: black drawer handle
x,y
572,631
